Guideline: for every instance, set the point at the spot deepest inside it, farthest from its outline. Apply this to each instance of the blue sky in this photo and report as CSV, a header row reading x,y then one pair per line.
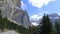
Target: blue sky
x,y
36,8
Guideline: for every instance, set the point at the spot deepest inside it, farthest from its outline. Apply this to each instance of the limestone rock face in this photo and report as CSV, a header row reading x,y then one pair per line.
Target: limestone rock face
x,y
16,3
12,2
12,10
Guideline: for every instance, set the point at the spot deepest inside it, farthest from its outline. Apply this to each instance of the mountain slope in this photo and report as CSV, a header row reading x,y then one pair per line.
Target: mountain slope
x,y
11,10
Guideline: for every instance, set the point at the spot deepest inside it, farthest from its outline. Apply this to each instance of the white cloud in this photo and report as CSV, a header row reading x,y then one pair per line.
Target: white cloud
x,y
39,15
59,14
39,3
35,24
36,17
23,6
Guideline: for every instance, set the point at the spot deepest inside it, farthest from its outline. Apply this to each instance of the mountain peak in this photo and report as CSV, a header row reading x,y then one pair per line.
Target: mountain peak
x,y
54,15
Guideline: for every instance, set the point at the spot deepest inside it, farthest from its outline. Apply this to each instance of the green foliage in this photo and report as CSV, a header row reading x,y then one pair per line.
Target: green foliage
x,y
33,30
46,27
57,26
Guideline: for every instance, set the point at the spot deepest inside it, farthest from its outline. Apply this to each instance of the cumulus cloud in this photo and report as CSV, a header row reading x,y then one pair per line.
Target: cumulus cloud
x,y
39,15
39,3
36,17
35,24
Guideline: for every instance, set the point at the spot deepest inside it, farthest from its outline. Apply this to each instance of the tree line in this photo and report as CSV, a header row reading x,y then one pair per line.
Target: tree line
x,y
46,27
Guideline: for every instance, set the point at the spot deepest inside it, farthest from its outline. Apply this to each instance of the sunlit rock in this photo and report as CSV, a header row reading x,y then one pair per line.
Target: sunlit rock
x,y
12,10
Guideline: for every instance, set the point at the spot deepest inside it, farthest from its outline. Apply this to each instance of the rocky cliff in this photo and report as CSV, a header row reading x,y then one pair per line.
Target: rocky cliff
x,y
11,9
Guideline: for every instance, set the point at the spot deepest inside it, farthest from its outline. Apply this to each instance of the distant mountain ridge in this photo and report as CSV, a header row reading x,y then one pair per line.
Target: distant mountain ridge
x,y
53,17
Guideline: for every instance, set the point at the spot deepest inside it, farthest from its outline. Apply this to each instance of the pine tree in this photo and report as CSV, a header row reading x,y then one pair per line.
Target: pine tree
x,y
57,26
46,27
1,22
